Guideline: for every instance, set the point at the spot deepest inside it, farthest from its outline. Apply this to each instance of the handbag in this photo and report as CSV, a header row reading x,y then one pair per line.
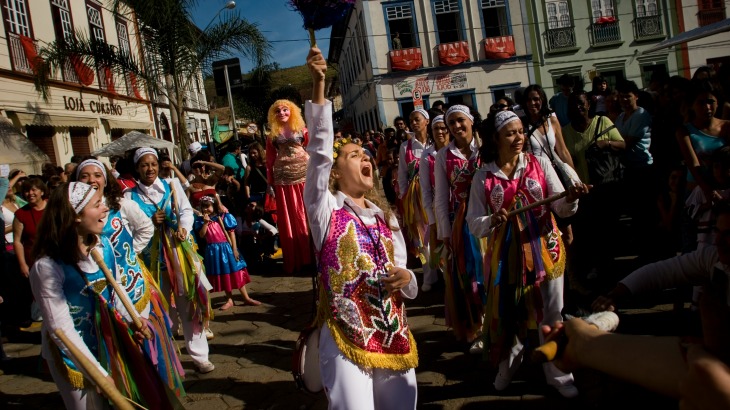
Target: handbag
x,y
604,166
558,166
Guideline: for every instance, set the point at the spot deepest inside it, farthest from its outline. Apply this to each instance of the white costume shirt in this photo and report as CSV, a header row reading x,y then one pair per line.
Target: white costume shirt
x,y
320,202
479,216
153,195
442,195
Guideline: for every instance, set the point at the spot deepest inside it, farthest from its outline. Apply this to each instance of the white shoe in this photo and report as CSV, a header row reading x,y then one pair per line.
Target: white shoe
x,y
425,287
205,367
568,391
501,382
477,347
209,334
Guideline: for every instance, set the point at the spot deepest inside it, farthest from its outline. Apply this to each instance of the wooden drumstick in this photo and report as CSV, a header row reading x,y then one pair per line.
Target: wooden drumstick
x,y
107,388
537,203
606,321
136,322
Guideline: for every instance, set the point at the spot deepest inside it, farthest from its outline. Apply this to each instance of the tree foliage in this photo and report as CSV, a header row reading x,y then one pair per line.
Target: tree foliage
x,y
175,50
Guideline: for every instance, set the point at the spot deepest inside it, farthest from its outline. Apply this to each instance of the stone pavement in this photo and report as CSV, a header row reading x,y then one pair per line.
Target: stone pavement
x,y
253,346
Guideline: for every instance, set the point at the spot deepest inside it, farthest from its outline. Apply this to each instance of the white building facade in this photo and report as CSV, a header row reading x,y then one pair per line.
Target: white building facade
x,y
587,38
395,55
88,106
713,50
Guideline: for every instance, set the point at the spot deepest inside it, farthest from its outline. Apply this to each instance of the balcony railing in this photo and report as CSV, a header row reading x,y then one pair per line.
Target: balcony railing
x,y
17,55
648,27
709,16
69,74
560,38
605,33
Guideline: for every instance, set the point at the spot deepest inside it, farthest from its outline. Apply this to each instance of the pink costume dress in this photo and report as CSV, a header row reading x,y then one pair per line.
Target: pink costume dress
x,y
223,270
286,162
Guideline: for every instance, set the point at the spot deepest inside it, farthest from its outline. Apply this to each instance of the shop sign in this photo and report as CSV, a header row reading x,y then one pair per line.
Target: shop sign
x,y
450,82
96,107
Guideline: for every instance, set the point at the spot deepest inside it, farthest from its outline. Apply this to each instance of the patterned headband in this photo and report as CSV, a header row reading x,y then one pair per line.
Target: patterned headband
x,y
459,108
207,199
503,118
94,162
142,152
341,143
437,119
422,112
79,195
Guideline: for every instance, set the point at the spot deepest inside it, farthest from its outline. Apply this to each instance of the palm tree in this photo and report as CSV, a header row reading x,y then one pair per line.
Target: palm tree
x,y
174,50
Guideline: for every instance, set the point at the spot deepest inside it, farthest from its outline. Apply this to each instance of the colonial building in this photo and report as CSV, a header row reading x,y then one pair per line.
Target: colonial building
x,y
585,38
88,107
394,55
713,50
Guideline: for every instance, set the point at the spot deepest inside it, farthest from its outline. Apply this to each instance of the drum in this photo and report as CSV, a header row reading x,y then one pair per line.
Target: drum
x,y
305,362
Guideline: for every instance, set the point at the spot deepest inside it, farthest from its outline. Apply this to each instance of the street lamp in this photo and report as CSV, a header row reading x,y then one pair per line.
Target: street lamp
x,y
230,5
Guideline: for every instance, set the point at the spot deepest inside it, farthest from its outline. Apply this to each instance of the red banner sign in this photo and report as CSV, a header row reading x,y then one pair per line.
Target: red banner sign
x,y
499,47
406,60
453,53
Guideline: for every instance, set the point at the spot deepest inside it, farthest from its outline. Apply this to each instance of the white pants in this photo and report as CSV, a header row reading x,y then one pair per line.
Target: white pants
x,y
430,275
552,299
195,340
76,399
350,387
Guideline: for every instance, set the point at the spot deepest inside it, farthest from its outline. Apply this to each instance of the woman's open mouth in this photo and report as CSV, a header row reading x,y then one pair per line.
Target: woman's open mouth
x,y
367,171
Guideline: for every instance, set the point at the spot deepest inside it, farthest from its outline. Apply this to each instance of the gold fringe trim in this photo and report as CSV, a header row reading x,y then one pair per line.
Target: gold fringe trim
x,y
360,357
357,355
74,377
142,303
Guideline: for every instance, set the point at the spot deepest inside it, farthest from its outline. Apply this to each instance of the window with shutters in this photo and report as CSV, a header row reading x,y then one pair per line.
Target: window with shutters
x,y
494,18
18,28
400,19
648,21
96,24
64,28
448,20
710,11
602,9
560,34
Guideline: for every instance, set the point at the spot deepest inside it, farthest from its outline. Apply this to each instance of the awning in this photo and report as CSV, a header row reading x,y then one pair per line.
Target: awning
x,y
17,151
115,124
136,139
27,118
694,34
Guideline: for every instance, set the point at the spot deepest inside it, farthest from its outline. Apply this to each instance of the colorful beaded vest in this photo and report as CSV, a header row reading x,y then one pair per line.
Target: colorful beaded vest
x,y
129,271
460,173
368,325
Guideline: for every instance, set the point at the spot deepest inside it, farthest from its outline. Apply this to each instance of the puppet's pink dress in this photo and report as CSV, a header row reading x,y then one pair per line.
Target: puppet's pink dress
x,y
286,161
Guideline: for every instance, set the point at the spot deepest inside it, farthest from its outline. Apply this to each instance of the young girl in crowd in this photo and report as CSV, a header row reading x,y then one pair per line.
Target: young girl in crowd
x,y
367,354
164,201
410,186
129,230
525,261
453,172
225,269
67,282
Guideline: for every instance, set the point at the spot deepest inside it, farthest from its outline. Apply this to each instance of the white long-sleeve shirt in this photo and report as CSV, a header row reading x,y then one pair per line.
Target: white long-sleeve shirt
x,y
153,195
417,148
479,214
427,190
442,195
46,280
320,202
137,223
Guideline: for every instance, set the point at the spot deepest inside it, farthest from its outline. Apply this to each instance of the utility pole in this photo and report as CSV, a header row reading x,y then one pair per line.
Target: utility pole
x,y
230,102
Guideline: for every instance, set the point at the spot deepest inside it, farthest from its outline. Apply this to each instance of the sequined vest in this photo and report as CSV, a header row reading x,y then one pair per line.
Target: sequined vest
x,y
531,187
368,325
129,271
82,301
460,173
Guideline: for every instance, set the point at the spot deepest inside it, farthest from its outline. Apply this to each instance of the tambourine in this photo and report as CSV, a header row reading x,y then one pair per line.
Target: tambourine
x,y
305,362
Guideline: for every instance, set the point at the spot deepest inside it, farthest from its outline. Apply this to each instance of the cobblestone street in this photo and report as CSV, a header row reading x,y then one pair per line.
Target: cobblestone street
x,y
253,346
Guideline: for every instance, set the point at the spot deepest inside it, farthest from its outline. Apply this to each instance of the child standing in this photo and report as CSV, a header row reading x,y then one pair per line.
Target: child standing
x,y
222,264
